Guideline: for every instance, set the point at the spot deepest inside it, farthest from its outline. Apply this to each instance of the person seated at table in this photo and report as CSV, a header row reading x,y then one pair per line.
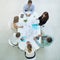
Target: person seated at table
x,y
43,18
29,7
30,53
15,24
14,40
45,40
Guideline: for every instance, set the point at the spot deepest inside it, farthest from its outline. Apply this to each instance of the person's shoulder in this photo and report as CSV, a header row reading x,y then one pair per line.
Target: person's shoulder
x,y
25,5
33,5
33,48
14,34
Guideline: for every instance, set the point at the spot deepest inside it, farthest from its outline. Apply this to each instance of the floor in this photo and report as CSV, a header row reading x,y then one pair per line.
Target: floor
x,y
11,8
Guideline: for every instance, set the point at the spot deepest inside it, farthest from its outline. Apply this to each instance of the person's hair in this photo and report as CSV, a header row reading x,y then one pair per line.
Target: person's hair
x,y
43,19
29,47
46,16
49,39
16,19
18,34
29,1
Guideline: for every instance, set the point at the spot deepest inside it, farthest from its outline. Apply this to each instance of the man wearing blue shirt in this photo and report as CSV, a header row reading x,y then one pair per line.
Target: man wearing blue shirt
x,y
45,40
29,7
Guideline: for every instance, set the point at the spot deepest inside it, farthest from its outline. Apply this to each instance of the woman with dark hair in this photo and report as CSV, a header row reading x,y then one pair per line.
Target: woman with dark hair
x,y
43,18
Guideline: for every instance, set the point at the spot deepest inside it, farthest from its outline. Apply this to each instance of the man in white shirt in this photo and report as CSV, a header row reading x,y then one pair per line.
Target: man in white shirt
x,y
14,40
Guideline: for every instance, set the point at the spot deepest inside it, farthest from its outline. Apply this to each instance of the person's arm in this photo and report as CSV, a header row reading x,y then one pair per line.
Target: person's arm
x,y
40,17
17,26
20,26
33,8
37,43
36,39
25,9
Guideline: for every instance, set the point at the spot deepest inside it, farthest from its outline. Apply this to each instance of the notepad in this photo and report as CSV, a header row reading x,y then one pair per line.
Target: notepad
x,y
35,26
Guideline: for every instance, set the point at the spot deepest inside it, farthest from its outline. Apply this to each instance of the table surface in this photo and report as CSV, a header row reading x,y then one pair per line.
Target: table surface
x,y
29,31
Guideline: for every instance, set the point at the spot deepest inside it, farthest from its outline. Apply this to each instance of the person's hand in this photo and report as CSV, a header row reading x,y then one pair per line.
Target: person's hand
x,y
21,26
39,35
34,38
28,42
28,14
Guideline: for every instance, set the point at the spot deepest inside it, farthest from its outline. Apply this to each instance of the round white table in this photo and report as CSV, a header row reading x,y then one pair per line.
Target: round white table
x,y
29,31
